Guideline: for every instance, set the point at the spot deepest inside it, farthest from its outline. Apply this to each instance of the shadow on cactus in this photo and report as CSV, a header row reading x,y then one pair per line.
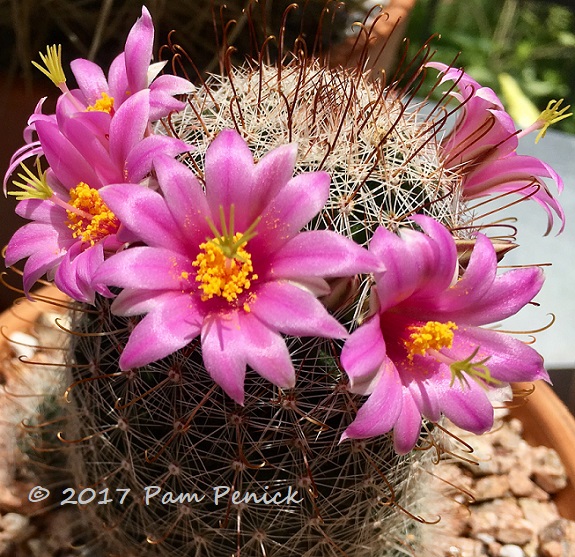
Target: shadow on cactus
x,y
271,309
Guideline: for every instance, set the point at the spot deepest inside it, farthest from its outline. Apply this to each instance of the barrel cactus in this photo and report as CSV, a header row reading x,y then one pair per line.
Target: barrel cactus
x,y
277,290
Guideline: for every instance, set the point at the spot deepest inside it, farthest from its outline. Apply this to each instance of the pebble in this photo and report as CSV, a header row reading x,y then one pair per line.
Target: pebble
x,y
511,550
512,514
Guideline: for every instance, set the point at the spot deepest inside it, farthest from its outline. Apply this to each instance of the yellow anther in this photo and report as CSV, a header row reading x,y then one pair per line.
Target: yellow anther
x,y
551,115
105,104
53,65
32,186
93,220
220,275
431,336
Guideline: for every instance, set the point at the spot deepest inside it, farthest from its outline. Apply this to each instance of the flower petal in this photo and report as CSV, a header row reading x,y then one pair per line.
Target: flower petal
x,y
266,351
408,426
171,325
128,126
66,162
148,268
510,360
287,308
138,51
184,197
229,170
141,158
362,355
468,408
380,412
90,78
223,349
144,212
292,208
320,253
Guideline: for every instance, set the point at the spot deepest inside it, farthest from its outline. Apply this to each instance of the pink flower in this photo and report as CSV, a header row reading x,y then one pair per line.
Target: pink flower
x,y
72,229
482,147
423,352
229,263
97,99
129,73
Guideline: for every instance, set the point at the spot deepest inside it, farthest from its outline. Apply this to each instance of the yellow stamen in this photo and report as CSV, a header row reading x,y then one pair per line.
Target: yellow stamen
x,y
220,275
551,115
53,62
431,336
105,104
224,265
32,186
93,220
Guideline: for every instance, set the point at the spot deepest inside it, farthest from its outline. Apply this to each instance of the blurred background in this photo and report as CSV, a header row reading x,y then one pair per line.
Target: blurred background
x,y
523,49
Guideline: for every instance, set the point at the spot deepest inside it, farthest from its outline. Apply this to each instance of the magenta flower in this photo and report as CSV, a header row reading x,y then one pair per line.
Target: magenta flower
x,y
97,99
72,227
482,147
129,73
229,264
423,352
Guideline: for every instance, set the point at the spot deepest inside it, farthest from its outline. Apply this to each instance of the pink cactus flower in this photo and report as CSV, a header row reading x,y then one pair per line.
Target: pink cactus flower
x,y
228,264
423,352
482,147
72,228
98,98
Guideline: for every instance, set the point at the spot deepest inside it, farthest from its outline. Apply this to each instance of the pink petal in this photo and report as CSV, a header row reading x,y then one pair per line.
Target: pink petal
x,y
287,308
141,158
75,271
34,238
266,351
320,253
145,268
468,408
223,351
118,80
128,126
408,426
380,412
476,281
510,360
229,171
40,210
272,172
443,273
138,51
171,325
90,78
66,162
138,301
292,208
184,197
362,355
508,293
144,212
409,261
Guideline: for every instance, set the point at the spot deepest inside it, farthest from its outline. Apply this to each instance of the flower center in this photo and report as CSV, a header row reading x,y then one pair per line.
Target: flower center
x,y
105,104
431,336
222,275
224,265
91,220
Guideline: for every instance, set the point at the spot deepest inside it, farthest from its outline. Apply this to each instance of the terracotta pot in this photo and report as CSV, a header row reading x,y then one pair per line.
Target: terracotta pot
x,y
546,420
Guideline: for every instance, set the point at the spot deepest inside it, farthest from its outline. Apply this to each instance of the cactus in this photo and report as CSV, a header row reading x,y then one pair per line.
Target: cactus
x,y
165,425
164,460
